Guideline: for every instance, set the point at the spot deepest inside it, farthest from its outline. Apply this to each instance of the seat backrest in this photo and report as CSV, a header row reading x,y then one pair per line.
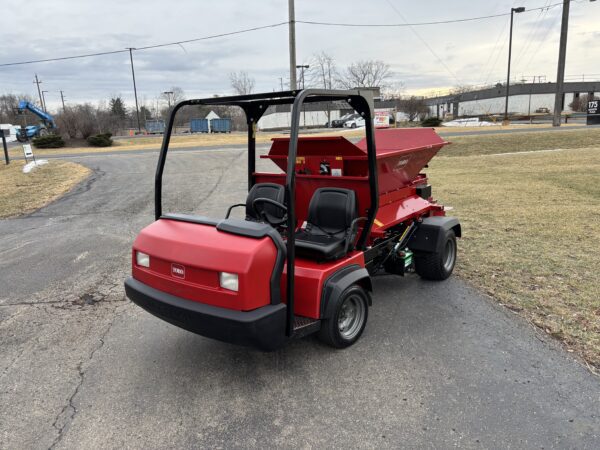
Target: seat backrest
x,y
332,210
271,191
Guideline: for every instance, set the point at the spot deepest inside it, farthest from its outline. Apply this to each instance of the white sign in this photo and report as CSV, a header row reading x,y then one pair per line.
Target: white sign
x,y
27,151
382,119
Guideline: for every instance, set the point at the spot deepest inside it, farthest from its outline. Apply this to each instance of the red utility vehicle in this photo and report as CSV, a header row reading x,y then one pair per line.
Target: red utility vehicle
x,y
301,262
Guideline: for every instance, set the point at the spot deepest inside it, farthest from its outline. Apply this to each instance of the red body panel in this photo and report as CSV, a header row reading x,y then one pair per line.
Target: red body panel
x,y
310,276
203,252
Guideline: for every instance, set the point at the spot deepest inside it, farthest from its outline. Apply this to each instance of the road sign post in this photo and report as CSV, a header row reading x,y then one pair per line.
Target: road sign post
x,y
4,146
28,152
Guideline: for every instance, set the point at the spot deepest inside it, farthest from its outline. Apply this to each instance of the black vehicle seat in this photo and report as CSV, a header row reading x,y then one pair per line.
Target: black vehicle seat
x,y
271,191
330,226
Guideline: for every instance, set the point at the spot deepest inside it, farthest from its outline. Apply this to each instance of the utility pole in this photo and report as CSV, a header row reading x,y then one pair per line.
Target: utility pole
x,y
281,83
137,108
512,14
44,99
62,98
562,56
38,82
292,30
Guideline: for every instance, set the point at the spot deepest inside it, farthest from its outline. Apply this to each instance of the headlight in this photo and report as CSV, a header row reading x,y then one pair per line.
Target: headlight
x,y
142,259
229,281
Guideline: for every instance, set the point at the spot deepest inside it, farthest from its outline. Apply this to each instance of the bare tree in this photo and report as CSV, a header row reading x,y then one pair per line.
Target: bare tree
x,y
365,73
241,82
580,104
323,71
413,107
393,90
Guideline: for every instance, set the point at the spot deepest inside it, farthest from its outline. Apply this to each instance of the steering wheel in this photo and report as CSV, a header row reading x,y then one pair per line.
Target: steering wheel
x,y
272,220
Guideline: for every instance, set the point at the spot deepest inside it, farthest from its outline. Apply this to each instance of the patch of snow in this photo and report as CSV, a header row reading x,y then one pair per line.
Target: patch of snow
x,y
473,122
33,164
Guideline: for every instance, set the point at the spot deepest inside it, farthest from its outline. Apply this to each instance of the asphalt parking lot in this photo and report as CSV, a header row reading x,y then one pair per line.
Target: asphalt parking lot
x,y
439,364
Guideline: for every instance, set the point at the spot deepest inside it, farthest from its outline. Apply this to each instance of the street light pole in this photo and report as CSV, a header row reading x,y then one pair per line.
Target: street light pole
x,y
137,108
168,94
512,13
302,67
562,55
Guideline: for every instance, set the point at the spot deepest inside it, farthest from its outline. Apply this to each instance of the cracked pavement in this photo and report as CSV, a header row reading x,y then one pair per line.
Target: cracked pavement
x,y
439,365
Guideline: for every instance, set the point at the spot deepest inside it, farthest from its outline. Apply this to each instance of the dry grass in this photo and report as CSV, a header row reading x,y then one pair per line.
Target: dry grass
x,y
25,192
531,225
521,142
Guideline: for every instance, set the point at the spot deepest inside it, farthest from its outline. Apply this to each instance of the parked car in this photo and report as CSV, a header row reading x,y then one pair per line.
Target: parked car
x,y
339,123
355,122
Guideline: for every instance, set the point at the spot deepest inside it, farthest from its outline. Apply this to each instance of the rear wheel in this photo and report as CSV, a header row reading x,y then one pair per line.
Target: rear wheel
x,y
351,311
438,265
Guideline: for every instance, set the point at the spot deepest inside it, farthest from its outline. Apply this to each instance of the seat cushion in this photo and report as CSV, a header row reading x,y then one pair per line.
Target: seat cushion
x,y
319,246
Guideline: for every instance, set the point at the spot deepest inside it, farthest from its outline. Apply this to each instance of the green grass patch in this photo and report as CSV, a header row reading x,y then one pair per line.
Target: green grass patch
x,y
531,226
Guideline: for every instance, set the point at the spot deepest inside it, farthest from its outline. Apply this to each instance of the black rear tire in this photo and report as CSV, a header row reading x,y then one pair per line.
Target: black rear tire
x,y
439,265
349,319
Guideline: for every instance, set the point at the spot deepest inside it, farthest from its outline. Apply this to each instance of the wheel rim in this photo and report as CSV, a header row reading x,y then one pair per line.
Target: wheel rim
x,y
449,255
351,317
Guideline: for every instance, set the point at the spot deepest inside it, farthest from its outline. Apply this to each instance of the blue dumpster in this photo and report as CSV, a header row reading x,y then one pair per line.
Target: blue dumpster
x,y
199,126
220,126
155,126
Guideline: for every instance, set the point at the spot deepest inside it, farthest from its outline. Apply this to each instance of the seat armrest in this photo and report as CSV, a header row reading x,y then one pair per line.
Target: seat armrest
x,y
352,233
231,207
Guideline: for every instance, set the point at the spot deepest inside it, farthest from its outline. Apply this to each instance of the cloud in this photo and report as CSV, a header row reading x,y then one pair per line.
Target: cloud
x,y
202,68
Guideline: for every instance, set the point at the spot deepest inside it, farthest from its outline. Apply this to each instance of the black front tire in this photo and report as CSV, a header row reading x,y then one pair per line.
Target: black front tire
x,y
341,331
439,265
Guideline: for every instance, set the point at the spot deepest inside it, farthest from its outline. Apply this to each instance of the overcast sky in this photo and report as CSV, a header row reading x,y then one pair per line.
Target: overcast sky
x,y
469,53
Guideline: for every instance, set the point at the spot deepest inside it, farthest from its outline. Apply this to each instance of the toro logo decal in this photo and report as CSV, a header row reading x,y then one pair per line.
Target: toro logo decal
x,y
177,270
401,164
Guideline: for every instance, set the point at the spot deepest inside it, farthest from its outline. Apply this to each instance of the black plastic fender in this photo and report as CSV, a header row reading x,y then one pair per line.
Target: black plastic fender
x,y
341,280
430,233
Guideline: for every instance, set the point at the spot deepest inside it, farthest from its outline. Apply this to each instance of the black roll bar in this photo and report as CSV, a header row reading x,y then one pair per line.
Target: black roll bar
x,y
254,106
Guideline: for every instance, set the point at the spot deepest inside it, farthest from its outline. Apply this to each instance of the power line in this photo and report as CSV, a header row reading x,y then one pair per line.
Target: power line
x,y
424,42
88,55
273,25
416,24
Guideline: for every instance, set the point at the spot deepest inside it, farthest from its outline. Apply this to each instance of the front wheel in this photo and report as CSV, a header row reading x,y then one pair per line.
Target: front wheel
x,y
347,324
439,265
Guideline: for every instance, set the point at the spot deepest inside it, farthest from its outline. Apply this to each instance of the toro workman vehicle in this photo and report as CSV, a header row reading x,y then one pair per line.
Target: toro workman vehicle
x,y
314,233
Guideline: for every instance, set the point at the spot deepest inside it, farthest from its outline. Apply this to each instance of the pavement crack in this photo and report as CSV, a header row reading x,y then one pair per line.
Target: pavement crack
x,y
69,411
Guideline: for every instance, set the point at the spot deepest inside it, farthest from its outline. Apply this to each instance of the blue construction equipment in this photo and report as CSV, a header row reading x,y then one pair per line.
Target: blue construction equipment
x,y
220,126
199,126
30,131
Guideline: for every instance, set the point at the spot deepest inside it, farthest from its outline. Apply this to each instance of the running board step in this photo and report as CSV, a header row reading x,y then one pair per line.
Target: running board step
x,y
303,326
